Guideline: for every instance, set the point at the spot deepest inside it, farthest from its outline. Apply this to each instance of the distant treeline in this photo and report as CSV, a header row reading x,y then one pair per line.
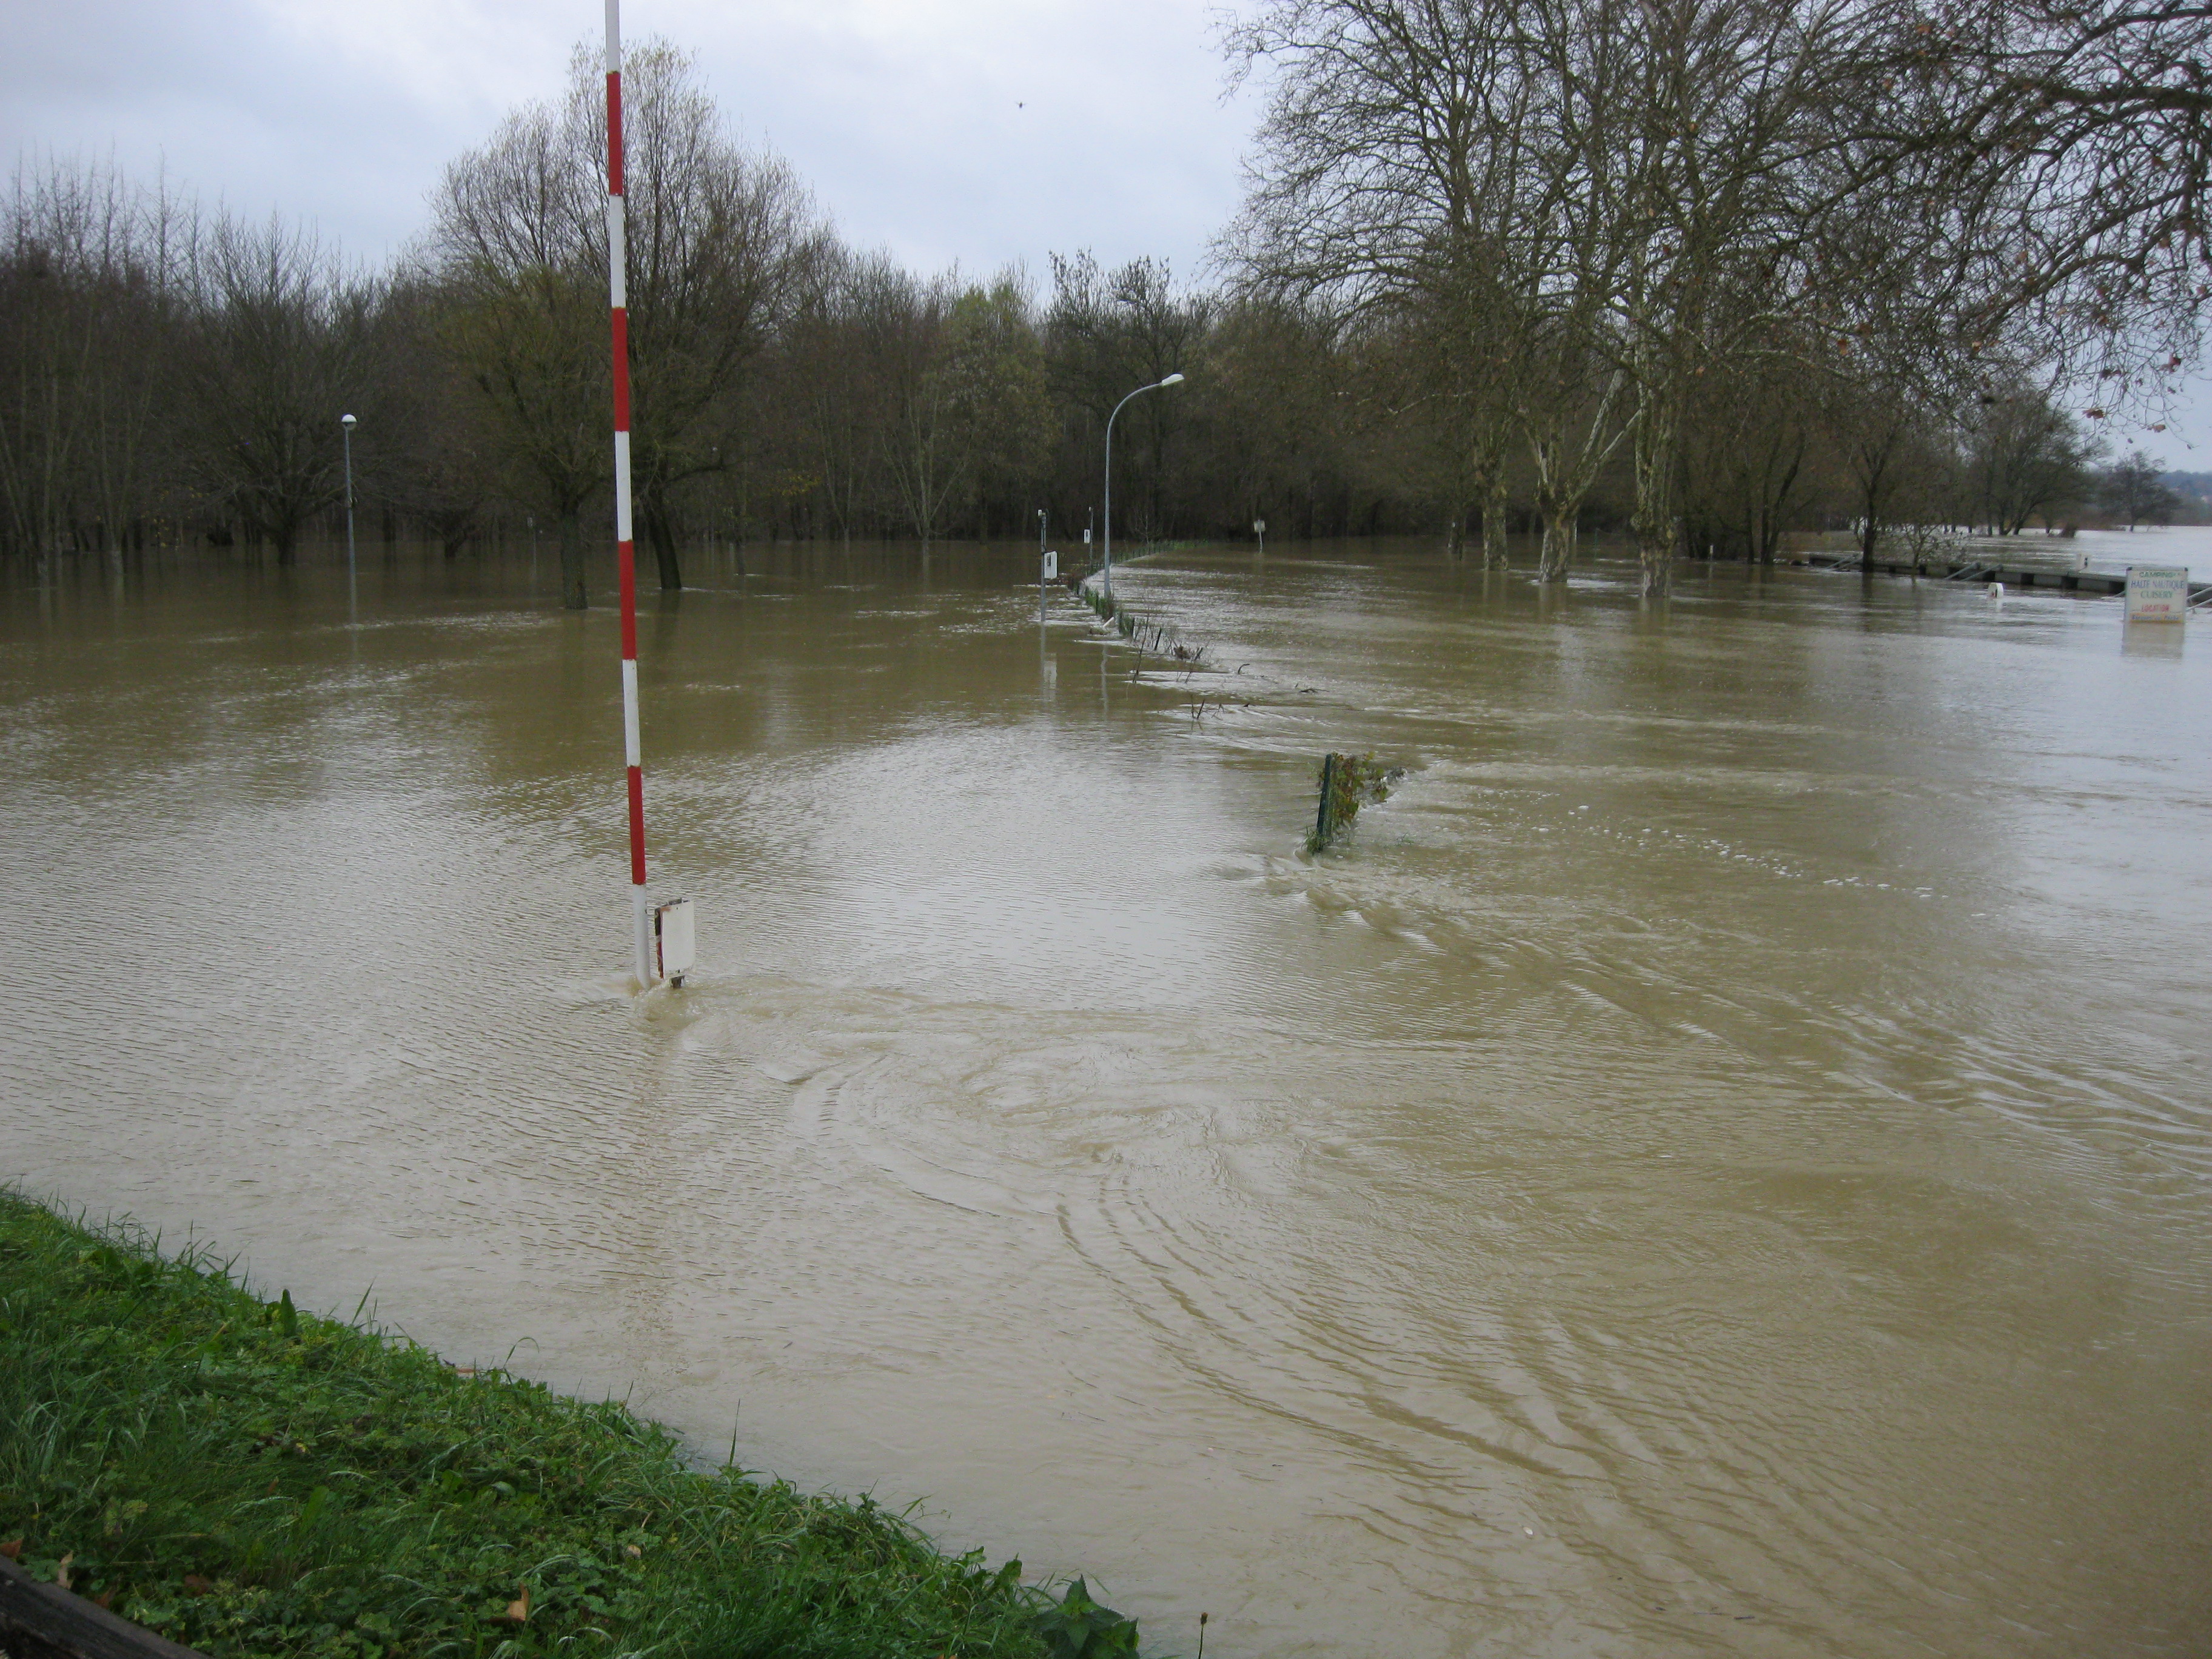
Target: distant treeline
x,y
2191,496
1709,270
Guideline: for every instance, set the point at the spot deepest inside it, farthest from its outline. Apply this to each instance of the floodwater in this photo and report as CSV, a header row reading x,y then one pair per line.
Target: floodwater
x,y
1720,1162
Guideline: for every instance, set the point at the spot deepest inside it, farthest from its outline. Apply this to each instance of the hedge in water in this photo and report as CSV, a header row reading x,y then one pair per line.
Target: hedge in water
x,y
1347,782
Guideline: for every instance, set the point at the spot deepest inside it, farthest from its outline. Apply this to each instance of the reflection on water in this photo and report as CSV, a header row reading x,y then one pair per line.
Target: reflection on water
x,y
1718,1164
2154,638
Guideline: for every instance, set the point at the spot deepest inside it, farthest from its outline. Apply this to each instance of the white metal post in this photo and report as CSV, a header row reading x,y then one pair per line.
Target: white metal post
x,y
345,426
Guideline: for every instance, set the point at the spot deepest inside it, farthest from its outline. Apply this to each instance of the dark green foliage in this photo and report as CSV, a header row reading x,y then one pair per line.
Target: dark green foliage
x,y
1079,1628
251,1479
1347,782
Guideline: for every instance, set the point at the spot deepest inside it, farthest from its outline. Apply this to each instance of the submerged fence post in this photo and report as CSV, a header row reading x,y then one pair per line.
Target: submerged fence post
x,y
1347,782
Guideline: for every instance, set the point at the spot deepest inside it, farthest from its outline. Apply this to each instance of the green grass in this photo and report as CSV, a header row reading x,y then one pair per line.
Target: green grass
x,y
249,1479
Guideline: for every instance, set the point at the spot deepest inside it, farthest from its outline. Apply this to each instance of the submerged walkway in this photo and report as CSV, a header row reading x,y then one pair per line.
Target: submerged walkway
x,y
2095,584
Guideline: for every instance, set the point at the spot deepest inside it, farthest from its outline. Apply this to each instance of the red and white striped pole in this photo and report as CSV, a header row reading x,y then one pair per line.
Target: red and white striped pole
x,y
625,551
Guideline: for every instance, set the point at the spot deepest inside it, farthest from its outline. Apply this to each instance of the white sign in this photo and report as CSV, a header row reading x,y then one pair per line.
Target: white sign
x,y
2158,592
1259,526
674,939
1051,573
1086,539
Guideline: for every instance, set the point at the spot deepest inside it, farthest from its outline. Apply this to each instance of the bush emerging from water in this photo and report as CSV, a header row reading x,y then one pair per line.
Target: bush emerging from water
x,y
249,1479
1347,783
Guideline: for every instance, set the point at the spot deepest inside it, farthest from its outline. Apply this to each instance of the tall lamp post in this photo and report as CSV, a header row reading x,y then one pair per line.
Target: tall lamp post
x,y
1106,585
346,426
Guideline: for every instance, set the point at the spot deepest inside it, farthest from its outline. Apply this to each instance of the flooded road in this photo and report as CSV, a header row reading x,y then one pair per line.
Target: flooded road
x,y
1720,1162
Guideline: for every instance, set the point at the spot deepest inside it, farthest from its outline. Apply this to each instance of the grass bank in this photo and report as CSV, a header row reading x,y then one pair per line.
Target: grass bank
x,y
250,1480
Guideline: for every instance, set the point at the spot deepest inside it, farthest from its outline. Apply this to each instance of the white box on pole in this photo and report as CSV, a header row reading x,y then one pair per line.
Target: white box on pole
x,y
1051,566
2158,592
674,939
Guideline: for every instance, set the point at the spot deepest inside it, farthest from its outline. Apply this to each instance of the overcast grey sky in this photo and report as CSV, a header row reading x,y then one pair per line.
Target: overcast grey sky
x,y
981,132
977,131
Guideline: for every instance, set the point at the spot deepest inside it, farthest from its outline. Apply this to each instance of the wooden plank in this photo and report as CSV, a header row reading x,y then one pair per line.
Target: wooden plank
x,y
45,1621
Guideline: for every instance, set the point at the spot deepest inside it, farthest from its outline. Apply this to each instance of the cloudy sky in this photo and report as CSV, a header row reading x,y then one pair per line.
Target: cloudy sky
x,y
979,132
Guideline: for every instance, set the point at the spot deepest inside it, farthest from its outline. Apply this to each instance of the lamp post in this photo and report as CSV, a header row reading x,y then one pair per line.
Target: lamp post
x,y
346,426
1106,585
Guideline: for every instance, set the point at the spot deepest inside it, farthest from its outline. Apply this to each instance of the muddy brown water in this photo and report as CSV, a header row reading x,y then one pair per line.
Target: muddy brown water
x,y
1719,1164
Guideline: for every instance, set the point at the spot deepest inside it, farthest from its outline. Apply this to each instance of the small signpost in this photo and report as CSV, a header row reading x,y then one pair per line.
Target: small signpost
x,y
1259,529
673,940
1048,573
2158,592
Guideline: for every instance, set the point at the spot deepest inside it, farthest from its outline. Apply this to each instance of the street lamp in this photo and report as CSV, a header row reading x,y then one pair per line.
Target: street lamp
x,y
346,426
1106,585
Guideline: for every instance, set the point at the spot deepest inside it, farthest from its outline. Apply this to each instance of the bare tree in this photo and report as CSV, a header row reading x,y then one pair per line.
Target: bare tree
x,y
1109,332
280,343
1707,123
423,449
1398,182
926,462
2026,458
1274,392
1749,435
832,385
2135,489
2078,133
523,314
719,242
93,290
994,357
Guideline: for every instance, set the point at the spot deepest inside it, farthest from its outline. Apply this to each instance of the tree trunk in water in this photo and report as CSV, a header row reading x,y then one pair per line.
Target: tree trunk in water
x,y
1558,504
1870,520
663,537
1493,522
572,562
1658,527
1559,547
